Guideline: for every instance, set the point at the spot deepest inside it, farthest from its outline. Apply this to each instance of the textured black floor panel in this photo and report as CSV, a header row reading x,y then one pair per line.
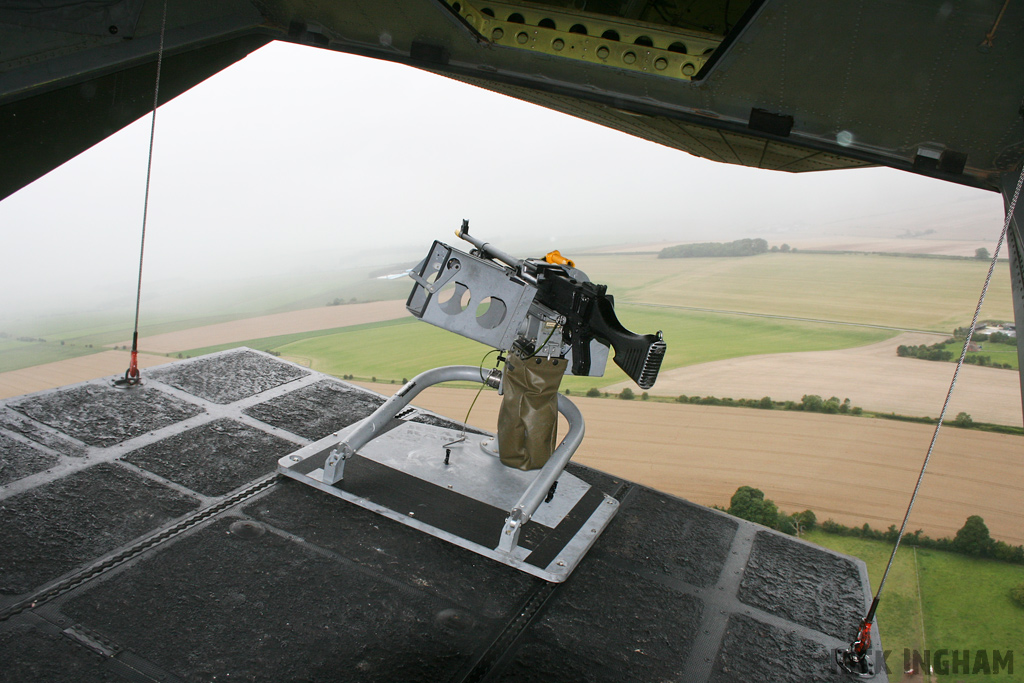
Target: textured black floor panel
x,y
811,587
317,410
19,460
603,482
19,425
411,557
670,536
28,655
103,416
214,458
753,652
222,606
228,377
609,625
59,526
297,585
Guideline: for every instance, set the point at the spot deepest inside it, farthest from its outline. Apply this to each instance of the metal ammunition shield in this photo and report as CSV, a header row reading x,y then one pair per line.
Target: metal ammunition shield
x,y
528,418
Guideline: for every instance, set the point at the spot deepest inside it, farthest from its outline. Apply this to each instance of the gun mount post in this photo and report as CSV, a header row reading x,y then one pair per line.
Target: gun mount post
x,y
534,495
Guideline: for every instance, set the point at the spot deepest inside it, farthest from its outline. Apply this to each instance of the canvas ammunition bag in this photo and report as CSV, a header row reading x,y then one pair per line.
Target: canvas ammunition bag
x,y
528,418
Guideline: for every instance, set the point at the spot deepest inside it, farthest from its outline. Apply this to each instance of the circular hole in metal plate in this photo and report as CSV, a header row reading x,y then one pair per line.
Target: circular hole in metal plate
x,y
490,312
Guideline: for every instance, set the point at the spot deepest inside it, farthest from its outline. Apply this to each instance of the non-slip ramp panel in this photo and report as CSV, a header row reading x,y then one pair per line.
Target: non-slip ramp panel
x,y
213,458
228,376
264,607
100,416
58,526
288,583
19,459
318,410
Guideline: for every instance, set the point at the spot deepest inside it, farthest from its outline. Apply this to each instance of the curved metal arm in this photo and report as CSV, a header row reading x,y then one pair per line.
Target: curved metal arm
x,y
335,466
534,495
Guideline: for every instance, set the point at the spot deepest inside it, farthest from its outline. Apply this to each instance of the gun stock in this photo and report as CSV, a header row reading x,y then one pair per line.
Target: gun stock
x,y
639,355
590,314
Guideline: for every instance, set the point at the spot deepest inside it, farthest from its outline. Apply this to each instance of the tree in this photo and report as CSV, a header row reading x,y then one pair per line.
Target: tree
x,y
750,504
812,403
963,420
593,392
973,538
787,524
626,394
807,519
982,253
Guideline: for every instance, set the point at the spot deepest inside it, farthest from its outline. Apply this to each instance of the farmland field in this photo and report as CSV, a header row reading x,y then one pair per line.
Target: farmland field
x,y
1001,354
403,350
913,293
872,377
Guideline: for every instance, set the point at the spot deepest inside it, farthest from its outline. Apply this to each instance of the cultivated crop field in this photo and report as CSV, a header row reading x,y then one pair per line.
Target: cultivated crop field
x,y
872,377
403,350
914,293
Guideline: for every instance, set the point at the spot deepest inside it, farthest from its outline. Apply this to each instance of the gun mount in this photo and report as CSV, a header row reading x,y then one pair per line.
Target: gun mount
x,y
508,303
547,318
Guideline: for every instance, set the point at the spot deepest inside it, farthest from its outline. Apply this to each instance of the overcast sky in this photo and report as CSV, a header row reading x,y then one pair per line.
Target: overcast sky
x,y
297,156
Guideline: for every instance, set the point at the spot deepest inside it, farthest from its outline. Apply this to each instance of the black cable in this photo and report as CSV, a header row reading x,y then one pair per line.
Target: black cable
x,y
149,171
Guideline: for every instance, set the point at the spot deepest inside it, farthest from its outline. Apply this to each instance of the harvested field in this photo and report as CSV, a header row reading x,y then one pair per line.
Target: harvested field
x,y
872,377
850,469
309,320
895,245
71,371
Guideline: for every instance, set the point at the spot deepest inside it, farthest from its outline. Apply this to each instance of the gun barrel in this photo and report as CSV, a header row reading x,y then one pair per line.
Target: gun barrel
x,y
486,249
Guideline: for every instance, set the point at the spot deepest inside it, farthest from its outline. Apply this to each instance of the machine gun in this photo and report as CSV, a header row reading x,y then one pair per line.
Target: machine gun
x,y
548,317
537,307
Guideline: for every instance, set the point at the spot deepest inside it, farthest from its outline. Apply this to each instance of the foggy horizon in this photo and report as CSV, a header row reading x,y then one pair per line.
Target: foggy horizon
x,y
297,160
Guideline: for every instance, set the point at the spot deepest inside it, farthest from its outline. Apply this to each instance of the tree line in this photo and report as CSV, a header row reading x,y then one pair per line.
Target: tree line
x,y
744,247
973,539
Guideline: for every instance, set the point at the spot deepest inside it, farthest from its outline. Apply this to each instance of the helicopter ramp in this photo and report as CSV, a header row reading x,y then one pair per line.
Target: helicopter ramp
x,y
144,536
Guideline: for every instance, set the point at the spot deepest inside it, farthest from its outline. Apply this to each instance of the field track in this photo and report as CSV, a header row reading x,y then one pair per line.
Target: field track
x,y
872,377
850,469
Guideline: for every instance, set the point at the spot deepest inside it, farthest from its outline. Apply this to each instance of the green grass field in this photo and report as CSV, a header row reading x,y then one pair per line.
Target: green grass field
x,y
15,355
922,294
401,349
998,353
935,600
